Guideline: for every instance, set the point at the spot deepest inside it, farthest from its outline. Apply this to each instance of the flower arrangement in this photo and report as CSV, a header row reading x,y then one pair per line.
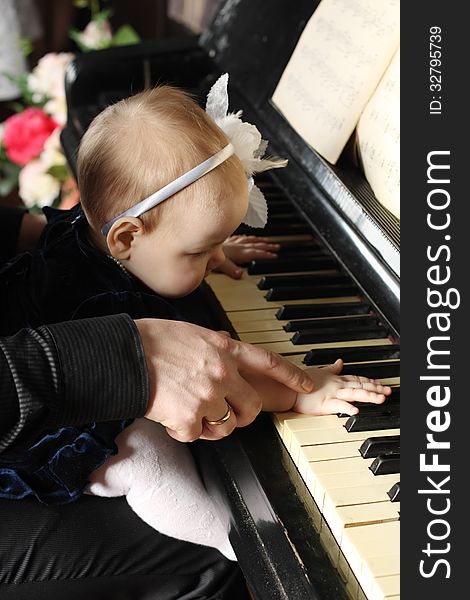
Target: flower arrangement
x,y
31,157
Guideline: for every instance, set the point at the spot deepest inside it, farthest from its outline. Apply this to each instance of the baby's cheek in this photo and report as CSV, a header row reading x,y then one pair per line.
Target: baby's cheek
x,y
189,279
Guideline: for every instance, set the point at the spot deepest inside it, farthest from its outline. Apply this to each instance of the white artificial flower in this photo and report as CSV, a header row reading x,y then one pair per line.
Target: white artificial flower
x,y
46,80
96,35
36,186
57,109
52,154
249,148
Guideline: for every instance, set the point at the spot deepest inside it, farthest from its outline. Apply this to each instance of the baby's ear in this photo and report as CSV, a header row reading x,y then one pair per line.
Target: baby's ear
x,y
122,235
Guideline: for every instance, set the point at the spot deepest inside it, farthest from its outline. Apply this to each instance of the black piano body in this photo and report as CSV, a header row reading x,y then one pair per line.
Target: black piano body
x,y
251,474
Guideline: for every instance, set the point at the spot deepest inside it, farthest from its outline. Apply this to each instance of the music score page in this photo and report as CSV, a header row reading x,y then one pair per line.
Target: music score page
x,y
378,139
341,56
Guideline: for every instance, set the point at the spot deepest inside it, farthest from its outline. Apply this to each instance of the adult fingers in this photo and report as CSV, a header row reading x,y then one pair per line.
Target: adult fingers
x,y
186,434
244,400
256,360
245,405
219,431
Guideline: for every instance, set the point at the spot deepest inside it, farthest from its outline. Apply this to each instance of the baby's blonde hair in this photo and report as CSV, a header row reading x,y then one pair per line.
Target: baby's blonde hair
x,y
138,145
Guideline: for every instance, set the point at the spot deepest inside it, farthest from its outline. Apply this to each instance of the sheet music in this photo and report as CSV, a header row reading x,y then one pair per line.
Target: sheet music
x,y
339,59
378,139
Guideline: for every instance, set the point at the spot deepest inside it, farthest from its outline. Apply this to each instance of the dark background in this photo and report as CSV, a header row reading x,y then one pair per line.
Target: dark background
x,y
420,134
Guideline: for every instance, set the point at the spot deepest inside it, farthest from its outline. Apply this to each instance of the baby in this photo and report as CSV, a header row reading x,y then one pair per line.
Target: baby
x,y
162,186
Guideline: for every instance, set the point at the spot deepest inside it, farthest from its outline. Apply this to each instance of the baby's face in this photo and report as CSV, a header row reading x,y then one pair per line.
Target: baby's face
x,y
186,246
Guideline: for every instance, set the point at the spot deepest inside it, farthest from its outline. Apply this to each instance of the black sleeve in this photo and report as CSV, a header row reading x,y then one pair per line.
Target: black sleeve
x,y
70,374
10,223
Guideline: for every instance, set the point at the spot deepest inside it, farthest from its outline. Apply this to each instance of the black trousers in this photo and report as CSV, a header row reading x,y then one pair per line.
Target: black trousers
x,y
99,549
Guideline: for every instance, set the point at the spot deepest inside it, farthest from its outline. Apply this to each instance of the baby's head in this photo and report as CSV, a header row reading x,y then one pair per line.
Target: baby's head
x,y
136,147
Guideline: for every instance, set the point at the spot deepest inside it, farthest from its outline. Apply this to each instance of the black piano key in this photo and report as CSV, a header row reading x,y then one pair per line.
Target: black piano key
x,y
268,185
311,291
391,405
305,311
388,408
298,228
394,492
290,265
386,463
296,248
371,408
288,218
337,323
393,398
358,354
279,207
333,335
274,281
377,370
373,446
367,422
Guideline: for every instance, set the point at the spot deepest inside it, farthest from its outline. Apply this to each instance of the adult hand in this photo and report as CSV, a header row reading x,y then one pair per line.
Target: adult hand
x,y
194,374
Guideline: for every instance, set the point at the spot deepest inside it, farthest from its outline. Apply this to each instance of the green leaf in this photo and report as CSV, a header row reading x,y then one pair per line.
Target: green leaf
x,y
59,172
6,186
74,35
26,46
103,15
8,176
16,107
124,36
11,170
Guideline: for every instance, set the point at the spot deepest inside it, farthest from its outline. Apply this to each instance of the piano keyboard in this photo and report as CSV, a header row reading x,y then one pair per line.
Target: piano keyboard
x,y
304,307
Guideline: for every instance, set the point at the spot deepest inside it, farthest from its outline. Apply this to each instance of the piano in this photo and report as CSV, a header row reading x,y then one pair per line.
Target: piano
x,y
312,502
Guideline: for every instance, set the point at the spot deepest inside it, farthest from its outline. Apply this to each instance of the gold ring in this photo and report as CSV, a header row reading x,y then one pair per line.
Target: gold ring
x,y
223,420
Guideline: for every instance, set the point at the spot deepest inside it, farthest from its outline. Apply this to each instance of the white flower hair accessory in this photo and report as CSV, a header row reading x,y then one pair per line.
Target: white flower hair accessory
x,y
248,145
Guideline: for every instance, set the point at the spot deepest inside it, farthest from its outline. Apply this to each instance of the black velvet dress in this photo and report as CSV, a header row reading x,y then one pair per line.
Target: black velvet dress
x,y
65,279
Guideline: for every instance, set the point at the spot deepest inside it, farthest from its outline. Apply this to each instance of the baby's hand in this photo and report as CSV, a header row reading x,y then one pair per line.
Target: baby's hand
x,y
333,392
240,249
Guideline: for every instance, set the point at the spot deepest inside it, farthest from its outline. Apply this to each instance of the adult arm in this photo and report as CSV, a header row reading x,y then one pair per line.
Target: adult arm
x,y
70,374
107,368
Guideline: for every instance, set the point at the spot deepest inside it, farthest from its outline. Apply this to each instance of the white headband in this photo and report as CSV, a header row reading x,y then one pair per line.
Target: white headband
x,y
173,187
245,142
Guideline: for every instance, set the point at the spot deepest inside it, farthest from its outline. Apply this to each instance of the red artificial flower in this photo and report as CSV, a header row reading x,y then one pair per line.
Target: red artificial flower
x,y
25,133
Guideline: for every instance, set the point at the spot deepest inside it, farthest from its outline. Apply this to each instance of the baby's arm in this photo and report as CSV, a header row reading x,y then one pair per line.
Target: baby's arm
x,y
333,393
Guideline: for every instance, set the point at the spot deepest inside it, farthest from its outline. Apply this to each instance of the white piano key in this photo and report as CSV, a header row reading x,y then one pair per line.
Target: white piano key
x,y
247,316
359,544
262,337
256,326
356,515
329,436
290,348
